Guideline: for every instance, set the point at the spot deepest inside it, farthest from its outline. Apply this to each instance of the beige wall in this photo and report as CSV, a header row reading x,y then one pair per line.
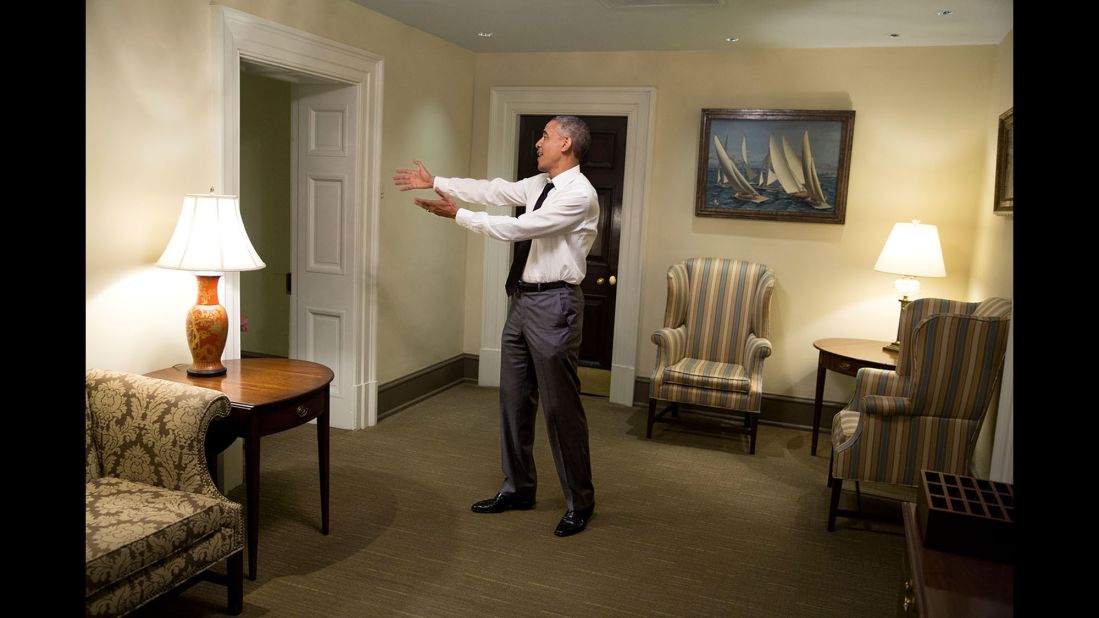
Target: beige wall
x,y
150,139
994,247
151,117
920,142
265,210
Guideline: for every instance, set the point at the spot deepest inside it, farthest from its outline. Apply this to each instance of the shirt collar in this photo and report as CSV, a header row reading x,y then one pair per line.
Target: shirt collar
x,y
564,177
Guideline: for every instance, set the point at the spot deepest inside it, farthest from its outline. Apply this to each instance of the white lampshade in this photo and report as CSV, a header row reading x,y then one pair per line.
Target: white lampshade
x,y
210,237
912,249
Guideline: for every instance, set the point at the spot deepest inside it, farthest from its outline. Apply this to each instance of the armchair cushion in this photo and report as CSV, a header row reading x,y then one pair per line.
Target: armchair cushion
x,y
728,377
130,527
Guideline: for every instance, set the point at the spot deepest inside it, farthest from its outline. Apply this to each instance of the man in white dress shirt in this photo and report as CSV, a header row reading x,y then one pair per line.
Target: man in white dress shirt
x,y
541,338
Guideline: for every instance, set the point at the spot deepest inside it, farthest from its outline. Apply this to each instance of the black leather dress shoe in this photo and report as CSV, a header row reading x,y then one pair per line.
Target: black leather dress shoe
x,y
574,521
501,503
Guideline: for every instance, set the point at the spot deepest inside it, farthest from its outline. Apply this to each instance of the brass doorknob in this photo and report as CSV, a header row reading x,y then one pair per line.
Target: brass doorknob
x,y
612,280
599,281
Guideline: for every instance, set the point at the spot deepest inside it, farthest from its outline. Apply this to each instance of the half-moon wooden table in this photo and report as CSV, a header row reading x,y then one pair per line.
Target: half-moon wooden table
x,y
268,395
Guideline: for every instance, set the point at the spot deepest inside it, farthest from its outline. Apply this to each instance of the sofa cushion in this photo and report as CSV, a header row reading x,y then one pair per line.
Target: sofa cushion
x,y
130,527
713,375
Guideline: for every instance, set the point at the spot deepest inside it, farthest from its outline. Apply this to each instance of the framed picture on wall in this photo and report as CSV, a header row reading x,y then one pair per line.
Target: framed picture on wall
x,y
1005,165
775,164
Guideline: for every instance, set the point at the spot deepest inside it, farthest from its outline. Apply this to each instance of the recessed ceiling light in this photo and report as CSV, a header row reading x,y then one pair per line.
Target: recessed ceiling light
x,y
945,12
732,39
485,34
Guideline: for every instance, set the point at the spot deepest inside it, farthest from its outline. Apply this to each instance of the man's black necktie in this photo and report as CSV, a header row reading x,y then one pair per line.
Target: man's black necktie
x,y
522,250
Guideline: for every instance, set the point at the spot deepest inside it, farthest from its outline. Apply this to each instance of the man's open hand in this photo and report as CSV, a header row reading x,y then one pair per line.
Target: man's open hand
x,y
444,207
414,179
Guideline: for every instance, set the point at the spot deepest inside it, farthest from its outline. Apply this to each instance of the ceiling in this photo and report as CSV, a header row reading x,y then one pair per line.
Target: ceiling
x,y
606,25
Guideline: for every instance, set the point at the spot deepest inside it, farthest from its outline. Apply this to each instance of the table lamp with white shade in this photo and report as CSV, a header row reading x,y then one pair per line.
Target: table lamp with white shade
x,y
209,239
912,250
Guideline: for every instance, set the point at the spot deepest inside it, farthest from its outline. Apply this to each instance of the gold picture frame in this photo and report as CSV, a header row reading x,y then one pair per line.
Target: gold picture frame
x,y
1005,165
758,164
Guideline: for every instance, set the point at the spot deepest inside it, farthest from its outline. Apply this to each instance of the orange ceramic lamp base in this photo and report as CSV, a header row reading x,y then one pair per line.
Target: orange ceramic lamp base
x,y
207,328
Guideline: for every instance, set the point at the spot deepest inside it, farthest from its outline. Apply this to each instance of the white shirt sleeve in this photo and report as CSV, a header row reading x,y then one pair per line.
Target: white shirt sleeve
x,y
497,192
564,209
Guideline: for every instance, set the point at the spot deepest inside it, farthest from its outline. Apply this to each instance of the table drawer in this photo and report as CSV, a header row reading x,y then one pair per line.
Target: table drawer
x,y
840,364
293,412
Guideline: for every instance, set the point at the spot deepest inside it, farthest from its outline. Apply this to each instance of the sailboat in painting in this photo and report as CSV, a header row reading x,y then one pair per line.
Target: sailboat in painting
x,y
722,179
786,178
793,161
749,174
742,189
812,181
767,175
797,174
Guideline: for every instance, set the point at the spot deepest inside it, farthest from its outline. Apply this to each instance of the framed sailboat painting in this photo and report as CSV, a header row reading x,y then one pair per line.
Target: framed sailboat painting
x,y
774,164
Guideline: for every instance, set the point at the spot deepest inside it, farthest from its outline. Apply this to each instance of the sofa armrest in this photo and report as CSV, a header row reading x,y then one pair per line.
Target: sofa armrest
x,y
153,431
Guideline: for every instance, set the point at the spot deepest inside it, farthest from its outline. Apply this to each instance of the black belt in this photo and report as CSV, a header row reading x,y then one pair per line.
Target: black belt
x,y
538,287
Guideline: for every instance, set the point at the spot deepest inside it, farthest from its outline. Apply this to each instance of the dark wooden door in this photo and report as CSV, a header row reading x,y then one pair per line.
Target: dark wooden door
x,y
605,167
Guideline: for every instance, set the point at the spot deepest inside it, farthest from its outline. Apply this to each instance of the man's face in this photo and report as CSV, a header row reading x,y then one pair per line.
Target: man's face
x,y
550,147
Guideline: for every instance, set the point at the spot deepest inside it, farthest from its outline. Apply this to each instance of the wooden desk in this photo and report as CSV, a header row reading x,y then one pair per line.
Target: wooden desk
x,y
945,584
846,356
268,395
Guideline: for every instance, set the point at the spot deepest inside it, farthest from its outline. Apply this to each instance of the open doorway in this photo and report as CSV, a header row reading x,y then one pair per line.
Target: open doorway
x,y
265,207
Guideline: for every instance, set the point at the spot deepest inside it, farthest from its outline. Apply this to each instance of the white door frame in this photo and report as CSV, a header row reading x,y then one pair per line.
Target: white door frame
x,y
637,104
240,36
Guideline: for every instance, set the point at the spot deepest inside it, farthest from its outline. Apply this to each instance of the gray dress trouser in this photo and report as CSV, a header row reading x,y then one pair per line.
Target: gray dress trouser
x,y
539,351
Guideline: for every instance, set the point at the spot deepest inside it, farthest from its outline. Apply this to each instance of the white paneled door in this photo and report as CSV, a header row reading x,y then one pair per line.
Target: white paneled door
x,y
325,182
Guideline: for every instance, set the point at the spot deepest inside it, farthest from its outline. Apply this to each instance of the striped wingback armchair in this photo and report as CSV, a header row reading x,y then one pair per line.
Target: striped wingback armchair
x,y
926,414
710,352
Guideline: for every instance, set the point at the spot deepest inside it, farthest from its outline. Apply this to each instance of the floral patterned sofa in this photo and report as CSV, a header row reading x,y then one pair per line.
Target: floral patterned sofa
x,y
154,517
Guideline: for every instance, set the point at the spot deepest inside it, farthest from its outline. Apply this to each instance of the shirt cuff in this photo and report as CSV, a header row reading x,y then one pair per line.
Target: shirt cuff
x,y
464,218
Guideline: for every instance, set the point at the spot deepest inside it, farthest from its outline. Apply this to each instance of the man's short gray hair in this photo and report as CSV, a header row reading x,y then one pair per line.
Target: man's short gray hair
x,y
577,130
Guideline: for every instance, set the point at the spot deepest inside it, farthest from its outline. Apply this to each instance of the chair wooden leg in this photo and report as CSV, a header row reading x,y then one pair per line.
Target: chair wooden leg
x,y
858,497
235,565
753,421
837,486
675,410
652,414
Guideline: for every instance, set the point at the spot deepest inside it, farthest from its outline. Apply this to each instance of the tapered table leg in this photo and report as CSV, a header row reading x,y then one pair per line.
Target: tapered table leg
x,y
322,456
251,473
817,404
